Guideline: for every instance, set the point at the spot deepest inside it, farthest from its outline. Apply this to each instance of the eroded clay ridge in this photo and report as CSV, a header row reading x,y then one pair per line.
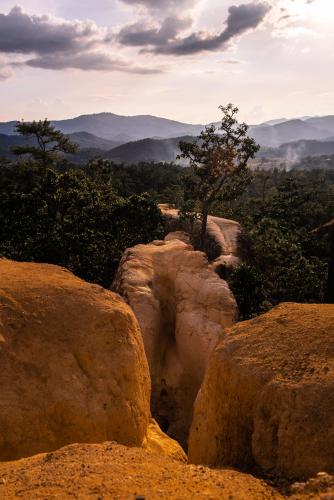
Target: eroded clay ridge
x,y
72,363
225,234
268,396
183,308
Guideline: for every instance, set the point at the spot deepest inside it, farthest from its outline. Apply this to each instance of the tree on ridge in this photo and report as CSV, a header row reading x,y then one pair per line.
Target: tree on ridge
x,y
51,143
218,162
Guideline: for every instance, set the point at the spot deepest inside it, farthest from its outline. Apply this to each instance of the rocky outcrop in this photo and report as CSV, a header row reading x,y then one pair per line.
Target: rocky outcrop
x,y
110,471
223,246
268,395
158,442
182,307
72,363
320,487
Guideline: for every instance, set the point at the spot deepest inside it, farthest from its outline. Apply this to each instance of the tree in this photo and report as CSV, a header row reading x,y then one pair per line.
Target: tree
x,y
328,230
216,158
73,219
49,146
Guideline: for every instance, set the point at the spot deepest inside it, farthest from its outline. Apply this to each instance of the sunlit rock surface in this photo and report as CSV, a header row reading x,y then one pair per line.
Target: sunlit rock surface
x,y
72,363
223,244
268,395
183,308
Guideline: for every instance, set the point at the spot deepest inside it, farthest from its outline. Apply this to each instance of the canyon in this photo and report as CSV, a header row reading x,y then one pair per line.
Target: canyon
x,y
154,389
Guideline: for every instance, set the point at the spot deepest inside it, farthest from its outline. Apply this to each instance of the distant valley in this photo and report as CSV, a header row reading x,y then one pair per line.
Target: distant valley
x,y
133,139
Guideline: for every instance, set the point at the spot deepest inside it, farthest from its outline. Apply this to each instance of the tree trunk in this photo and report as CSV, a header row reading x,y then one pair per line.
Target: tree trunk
x,y
330,283
203,229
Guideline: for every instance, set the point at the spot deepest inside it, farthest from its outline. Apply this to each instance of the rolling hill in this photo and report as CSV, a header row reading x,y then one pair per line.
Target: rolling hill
x,y
147,150
134,139
85,141
164,150
299,149
119,128
122,129
289,131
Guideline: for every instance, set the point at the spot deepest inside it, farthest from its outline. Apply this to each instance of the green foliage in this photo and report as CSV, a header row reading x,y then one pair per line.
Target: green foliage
x,y
160,180
50,143
288,274
71,219
84,218
286,260
218,166
247,284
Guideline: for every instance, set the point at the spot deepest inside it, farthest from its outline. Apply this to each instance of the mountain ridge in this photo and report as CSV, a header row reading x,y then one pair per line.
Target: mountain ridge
x,y
121,129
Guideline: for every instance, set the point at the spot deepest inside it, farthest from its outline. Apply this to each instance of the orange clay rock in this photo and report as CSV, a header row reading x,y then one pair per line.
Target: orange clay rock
x,y
320,487
72,363
109,471
182,307
158,442
268,395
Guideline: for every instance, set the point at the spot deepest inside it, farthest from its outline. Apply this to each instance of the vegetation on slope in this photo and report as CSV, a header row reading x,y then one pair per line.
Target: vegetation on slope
x,y
74,218
84,217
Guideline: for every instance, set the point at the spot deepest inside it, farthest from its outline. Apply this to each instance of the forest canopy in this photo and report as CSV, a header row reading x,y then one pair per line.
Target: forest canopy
x,y
83,218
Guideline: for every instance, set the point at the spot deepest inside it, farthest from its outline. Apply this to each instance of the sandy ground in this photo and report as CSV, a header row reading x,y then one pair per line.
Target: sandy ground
x,y
111,471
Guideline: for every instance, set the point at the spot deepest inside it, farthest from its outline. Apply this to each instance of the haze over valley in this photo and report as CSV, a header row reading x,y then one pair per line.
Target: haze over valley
x,y
134,139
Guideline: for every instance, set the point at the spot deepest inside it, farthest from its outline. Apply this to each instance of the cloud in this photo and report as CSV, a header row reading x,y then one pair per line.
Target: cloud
x,y
240,19
137,35
293,19
46,42
22,33
59,44
87,61
5,73
231,61
164,5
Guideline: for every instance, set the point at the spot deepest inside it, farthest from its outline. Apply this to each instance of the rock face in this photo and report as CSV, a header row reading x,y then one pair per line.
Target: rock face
x,y
320,487
182,307
223,238
72,363
158,442
268,395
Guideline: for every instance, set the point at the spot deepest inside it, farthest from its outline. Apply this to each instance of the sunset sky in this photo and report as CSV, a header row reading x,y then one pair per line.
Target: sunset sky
x,y
174,58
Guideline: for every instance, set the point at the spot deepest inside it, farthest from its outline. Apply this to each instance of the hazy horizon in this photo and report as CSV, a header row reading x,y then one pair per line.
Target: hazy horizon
x,y
51,119
176,60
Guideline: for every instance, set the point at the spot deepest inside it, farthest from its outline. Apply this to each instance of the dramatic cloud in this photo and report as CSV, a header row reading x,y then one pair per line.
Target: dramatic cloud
x,y
22,33
59,44
165,41
240,19
137,35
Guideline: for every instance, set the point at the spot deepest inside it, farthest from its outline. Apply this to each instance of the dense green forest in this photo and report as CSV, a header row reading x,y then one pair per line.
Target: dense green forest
x,y
286,259
51,211
83,217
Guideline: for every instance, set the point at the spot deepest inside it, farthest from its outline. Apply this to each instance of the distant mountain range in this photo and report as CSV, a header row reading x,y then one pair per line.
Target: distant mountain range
x,y
131,139
147,150
292,130
119,128
123,129
291,150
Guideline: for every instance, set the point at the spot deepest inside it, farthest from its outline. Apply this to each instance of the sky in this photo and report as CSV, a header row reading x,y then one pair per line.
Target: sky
x,y
179,59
